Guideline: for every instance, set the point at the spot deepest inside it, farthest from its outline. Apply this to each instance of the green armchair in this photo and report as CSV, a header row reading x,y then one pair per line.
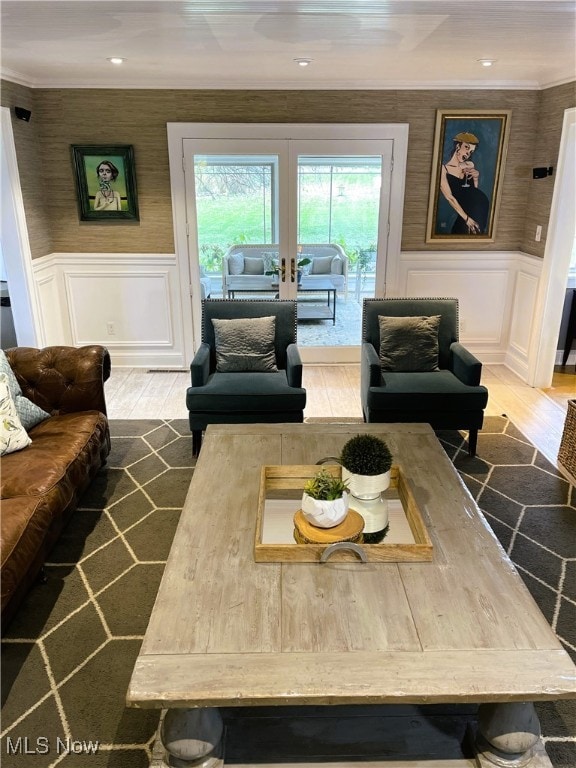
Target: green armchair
x,y
449,397
245,392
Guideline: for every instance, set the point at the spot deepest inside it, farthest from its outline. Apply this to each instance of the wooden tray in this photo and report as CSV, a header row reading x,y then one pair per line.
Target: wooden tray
x,y
281,490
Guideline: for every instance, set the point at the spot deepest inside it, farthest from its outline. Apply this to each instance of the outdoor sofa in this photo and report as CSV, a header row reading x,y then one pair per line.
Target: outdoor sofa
x,y
249,263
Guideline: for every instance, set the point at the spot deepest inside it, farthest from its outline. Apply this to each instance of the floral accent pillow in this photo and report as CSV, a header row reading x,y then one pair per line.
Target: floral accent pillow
x,y
28,412
13,436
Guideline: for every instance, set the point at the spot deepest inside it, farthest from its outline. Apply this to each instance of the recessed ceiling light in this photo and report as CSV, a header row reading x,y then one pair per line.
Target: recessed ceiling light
x,y
302,62
116,60
487,62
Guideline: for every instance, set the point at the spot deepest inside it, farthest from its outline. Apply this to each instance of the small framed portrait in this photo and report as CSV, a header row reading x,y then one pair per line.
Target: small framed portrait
x,y
467,173
105,182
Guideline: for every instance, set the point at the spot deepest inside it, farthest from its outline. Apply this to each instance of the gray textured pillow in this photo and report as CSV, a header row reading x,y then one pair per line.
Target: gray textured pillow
x,y
245,344
253,265
409,343
321,265
236,264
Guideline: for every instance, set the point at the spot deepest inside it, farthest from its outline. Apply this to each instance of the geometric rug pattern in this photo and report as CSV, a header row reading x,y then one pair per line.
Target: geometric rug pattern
x,y
68,654
531,508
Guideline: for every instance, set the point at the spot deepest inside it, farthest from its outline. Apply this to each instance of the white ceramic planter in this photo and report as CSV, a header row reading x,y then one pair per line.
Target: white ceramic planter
x,y
366,486
365,491
325,514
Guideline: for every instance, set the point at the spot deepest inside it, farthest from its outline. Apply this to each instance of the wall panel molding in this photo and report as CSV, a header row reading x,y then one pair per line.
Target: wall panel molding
x,y
481,281
81,294
128,302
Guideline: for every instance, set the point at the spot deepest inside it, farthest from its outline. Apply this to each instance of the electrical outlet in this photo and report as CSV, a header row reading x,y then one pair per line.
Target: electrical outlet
x,y
111,328
538,233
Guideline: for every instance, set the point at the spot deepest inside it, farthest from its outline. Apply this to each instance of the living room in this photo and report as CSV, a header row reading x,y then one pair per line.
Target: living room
x,y
134,287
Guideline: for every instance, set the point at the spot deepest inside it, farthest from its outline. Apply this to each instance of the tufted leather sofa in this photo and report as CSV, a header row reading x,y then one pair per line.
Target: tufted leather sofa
x,y
41,484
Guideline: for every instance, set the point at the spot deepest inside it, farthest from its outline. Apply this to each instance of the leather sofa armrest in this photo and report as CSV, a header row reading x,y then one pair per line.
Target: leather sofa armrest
x,y
370,366
200,366
293,366
464,365
62,379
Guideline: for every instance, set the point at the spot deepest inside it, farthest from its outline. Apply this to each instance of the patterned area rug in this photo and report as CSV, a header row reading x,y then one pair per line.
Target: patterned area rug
x,y
68,654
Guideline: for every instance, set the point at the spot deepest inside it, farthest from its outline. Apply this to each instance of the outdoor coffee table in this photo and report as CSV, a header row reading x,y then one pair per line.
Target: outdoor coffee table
x,y
461,629
317,310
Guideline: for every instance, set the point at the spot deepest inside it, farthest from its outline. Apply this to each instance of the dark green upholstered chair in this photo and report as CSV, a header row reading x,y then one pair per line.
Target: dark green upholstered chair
x,y
245,396
448,398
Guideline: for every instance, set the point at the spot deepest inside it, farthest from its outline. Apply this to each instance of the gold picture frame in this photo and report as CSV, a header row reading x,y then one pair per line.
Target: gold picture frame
x,y
467,172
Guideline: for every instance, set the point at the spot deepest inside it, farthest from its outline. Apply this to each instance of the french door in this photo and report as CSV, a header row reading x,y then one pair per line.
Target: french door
x,y
285,199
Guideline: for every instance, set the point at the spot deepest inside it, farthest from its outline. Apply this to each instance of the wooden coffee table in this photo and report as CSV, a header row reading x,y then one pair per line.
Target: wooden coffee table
x,y
461,629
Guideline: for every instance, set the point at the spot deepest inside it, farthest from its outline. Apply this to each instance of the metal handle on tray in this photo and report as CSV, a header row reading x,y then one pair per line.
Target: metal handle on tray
x,y
344,545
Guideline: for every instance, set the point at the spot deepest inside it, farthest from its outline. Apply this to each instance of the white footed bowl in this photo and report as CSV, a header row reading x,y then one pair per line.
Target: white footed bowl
x,y
325,514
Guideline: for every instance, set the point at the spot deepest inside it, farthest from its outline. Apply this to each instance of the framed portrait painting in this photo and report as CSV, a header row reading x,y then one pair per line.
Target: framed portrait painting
x,y
467,172
105,182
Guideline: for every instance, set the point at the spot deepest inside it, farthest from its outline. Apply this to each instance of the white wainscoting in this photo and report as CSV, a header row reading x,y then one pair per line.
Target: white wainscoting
x,y
497,297
80,295
128,302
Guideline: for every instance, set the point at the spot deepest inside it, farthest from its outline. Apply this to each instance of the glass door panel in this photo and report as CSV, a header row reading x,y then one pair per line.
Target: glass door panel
x,y
341,224
235,223
291,219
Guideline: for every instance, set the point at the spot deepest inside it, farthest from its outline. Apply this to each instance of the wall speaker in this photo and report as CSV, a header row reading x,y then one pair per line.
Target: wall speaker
x,y
23,114
541,173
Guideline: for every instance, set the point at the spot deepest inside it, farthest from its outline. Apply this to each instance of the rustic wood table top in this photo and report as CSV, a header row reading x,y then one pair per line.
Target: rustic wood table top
x,y
228,631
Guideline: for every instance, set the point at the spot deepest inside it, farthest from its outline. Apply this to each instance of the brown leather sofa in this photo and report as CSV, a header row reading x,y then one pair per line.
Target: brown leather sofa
x,y
41,484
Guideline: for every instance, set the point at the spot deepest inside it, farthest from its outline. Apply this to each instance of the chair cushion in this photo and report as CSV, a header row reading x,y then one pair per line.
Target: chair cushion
x,y
253,265
424,392
241,392
245,344
409,343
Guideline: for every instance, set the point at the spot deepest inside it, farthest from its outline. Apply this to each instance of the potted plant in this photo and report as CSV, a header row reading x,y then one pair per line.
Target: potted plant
x,y
366,462
325,500
275,270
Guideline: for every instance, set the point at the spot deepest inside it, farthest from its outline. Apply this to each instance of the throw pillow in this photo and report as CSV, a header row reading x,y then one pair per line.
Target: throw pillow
x,y
270,260
236,264
28,412
409,343
253,265
321,265
13,436
245,344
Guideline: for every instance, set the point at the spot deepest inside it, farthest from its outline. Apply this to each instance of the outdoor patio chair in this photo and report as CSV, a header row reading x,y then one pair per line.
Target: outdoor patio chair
x,y
415,370
247,371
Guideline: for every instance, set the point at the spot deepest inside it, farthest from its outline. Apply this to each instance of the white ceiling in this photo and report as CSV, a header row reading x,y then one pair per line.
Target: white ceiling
x,y
253,43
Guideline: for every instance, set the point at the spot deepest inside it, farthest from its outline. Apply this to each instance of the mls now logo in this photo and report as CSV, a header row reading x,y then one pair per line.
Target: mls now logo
x,y
23,745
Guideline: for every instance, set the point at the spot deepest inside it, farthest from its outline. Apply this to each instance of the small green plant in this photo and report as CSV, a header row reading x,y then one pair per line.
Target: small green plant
x,y
325,486
366,455
299,264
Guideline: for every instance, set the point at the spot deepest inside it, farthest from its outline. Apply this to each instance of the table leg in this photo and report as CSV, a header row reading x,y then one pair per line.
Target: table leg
x,y
192,737
509,736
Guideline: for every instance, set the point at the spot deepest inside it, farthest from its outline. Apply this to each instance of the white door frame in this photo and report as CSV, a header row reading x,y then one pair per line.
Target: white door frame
x,y
178,132
557,253
16,252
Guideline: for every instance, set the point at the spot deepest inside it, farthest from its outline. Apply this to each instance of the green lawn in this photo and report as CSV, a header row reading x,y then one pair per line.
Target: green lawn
x,y
238,219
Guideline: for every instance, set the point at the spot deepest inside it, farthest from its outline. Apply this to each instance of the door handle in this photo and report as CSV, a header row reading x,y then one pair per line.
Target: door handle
x,y
283,269
292,270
